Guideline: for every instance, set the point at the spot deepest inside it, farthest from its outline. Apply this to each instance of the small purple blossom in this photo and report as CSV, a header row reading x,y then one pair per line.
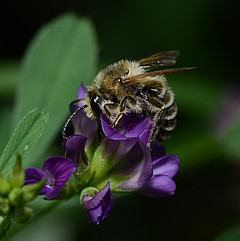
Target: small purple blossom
x,y
73,147
57,170
98,206
165,168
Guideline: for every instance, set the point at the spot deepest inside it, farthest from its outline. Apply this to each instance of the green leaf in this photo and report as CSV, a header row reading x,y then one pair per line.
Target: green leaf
x,y
61,56
23,139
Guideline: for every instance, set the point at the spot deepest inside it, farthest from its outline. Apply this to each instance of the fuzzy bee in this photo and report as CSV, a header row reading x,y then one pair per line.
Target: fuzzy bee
x,y
126,86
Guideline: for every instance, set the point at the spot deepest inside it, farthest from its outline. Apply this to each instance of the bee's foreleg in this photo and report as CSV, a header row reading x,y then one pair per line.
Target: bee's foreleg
x,y
122,108
115,123
123,103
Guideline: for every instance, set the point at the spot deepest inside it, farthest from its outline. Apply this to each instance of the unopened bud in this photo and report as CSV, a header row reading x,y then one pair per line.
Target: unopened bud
x,y
16,177
4,186
16,197
4,206
31,191
89,191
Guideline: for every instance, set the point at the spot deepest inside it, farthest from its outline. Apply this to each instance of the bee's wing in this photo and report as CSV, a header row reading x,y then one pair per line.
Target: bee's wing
x,y
154,73
167,58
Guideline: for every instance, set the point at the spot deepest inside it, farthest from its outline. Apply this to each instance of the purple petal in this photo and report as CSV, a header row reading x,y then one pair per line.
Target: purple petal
x,y
111,133
166,165
81,94
123,147
74,146
60,169
34,175
131,126
88,128
139,162
95,215
143,137
160,186
157,151
83,125
99,206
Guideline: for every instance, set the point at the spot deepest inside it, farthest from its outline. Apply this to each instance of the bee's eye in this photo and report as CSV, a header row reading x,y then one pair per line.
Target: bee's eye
x,y
95,101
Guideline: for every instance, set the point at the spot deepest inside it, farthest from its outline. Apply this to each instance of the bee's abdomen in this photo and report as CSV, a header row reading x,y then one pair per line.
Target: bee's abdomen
x,y
167,121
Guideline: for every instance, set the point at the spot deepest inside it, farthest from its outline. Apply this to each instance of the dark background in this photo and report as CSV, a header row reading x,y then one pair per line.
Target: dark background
x,y
206,32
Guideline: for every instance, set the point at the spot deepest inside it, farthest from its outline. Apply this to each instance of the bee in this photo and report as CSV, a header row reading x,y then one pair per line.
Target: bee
x,y
128,86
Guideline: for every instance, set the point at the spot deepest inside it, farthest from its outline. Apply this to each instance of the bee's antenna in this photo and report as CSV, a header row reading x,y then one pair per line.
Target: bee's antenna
x,y
64,129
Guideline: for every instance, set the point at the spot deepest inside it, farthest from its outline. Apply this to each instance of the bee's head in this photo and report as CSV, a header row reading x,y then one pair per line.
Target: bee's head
x,y
112,74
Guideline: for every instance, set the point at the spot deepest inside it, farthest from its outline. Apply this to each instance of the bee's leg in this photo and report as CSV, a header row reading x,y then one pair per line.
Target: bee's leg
x,y
115,123
77,100
106,108
156,125
124,102
123,105
64,129
167,124
157,118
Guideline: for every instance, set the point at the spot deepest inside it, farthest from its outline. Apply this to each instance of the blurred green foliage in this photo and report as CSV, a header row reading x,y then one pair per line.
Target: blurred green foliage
x,y
207,198
25,136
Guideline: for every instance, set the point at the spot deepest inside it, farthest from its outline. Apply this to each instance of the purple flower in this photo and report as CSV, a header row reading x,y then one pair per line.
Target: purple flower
x,y
73,147
165,167
57,170
136,168
132,158
98,206
152,172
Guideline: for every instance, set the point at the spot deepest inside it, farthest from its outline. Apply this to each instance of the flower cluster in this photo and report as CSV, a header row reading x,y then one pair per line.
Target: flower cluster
x,y
117,161
14,196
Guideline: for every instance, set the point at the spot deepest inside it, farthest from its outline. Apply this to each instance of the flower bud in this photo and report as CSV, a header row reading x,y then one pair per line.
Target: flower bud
x,y
4,186
97,204
4,206
22,214
31,191
17,176
16,197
